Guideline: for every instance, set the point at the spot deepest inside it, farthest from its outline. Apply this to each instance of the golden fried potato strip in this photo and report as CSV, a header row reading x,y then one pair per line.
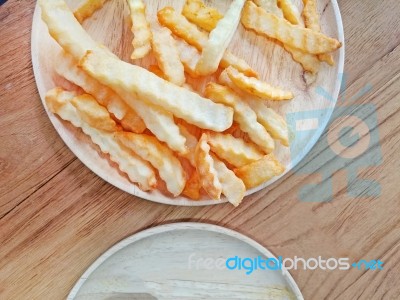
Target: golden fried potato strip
x,y
311,19
203,16
260,171
167,55
88,8
66,29
262,22
270,6
206,170
193,187
244,115
140,29
76,109
160,156
219,40
67,67
189,32
271,120
233,150
290,12
232,187
257,87
191,143
189,56
187,105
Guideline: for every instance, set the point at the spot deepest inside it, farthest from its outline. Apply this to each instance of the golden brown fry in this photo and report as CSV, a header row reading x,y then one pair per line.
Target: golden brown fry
x,y
219,40
232,187
87,9
160,156
244,115
189,32
203,16
59,102
270,6
256,87
290,11
311,20
67,67
262,22
233,150
140,29
192,187
167,55
272,121
205,168
187,105
260,171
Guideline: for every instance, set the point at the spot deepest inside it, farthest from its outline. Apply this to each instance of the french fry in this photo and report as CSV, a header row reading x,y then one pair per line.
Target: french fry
x,y
189,32
192,187
260,171
232,187
233,150
160,156
311,20
66,29
66,67
124,77
203,16
290,12
308,61
272,121
270,6
262,22
219,40
140,29
205,168
189,56
87,9
256,87
60,103
191,143
244,115
167,55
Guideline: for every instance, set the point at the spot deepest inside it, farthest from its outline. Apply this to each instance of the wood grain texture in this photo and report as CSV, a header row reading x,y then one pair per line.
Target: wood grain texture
x,y
57,217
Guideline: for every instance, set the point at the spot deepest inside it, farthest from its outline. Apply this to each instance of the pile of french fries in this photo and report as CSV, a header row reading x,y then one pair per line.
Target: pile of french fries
x,y
161,132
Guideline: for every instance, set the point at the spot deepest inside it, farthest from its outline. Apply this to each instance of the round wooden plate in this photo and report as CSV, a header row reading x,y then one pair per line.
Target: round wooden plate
x,y
182,261
111,27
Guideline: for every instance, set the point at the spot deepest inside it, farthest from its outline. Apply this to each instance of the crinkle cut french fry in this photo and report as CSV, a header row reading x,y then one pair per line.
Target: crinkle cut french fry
x,y
140,29
232,187
66,29
291,12
257,87
262,22
184,104
138,170
160,156
270,6
193,187
244,115
233,150
67,67
189,32
205,168
203,16
191,143
167,55
272,121
219,40
260,171
311,19
87,9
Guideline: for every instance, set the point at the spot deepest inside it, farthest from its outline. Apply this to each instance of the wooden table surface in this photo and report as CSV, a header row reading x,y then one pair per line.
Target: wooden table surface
x,y
57,217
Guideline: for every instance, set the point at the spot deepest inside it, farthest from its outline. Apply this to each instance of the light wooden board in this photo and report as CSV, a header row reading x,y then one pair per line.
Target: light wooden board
x,y
179,261
110,26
